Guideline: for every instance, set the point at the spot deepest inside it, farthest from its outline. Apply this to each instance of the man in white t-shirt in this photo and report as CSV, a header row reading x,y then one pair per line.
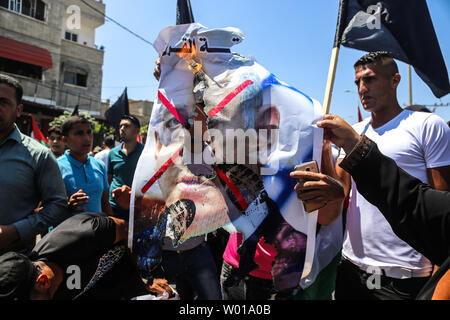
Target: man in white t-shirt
x,y
376,264
108,144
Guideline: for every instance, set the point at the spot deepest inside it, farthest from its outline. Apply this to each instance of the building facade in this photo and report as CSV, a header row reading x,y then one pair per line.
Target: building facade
x,y
49,46
142,109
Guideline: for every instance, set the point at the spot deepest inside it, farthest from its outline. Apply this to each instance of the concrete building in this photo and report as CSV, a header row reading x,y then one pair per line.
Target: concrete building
x,y
142,109
49,46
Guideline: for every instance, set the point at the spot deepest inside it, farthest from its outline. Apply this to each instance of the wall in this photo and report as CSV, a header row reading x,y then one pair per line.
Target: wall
x,y
49,35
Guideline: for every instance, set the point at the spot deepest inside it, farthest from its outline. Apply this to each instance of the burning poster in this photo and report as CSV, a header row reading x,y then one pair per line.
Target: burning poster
x,y
224,135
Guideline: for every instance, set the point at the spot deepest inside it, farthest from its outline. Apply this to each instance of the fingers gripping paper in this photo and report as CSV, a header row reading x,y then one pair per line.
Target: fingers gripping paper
x,y
224,135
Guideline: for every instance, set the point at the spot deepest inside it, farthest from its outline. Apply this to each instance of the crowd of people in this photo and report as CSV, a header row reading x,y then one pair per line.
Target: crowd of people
x,y
390,185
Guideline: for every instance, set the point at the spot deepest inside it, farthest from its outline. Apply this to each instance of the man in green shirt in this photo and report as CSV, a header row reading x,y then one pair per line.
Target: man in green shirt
x,y
29,175
122,161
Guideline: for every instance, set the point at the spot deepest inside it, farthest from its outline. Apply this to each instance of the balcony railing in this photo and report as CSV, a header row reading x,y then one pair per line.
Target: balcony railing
x,y
56,97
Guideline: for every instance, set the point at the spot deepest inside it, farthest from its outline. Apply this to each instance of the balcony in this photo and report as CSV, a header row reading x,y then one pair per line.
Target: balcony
x,y
81,52
93,12
58,98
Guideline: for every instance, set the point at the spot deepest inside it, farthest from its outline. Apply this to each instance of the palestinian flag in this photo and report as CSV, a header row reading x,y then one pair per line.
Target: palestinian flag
x,y
360,118
36,133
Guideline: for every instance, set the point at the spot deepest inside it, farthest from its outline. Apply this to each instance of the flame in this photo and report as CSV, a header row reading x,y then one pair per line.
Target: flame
x,y
189,54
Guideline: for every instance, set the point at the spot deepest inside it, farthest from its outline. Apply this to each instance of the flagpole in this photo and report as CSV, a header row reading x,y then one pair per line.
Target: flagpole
x,y
409,85
184,12
330,80
335,55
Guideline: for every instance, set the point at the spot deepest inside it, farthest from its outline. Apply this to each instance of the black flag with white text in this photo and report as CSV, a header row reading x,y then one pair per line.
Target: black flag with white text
x,y
402,28
118,110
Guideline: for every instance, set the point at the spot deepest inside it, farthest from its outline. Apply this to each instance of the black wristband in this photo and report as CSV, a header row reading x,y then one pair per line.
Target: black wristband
x,y
357,154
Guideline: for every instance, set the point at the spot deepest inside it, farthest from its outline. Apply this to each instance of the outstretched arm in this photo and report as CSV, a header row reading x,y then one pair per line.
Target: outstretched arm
x,y
417,214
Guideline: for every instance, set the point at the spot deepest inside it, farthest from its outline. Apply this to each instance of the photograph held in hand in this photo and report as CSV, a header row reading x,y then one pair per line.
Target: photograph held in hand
x,y
310,166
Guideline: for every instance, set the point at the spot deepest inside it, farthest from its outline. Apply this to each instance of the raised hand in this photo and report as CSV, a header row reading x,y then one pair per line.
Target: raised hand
x,y
122,196
317,187
157,70
76,201
339,132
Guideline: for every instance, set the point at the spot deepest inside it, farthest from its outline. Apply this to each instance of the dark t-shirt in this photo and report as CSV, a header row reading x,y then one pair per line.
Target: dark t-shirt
x,y
77,246
122,166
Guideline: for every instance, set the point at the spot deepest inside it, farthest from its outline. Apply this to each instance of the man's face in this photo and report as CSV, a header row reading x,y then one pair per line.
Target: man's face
x,y
210,199
127,131
56,144
191,188
216,191
247,128
80,139
180,180
375,87
9,110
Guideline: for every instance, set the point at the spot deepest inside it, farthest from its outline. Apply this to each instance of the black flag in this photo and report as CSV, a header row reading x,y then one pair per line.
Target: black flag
x,y
184,12
75,111
402,28
118,110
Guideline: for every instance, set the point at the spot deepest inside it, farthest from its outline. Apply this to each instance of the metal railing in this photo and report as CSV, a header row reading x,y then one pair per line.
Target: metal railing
x,y
64,97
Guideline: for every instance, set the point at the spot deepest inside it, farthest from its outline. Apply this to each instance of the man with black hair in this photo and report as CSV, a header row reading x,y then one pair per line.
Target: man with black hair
x,y
122,160
419,143
54,138
108,144
85,257
418,214
416,107
29,175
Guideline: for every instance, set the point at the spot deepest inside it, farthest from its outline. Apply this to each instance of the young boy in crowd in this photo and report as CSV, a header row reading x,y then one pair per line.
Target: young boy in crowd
x,y
55,141
85,177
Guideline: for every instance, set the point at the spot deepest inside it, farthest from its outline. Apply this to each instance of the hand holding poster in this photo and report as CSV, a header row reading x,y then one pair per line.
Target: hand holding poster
x,y
224,135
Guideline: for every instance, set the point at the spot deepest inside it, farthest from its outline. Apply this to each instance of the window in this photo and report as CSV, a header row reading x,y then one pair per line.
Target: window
x,y
15,5
31,8
20,68
74,78
40,11
4,4
71,36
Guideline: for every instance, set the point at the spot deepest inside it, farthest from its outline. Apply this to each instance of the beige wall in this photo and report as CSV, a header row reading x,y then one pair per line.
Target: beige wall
x,y
141,109
89,21
49,35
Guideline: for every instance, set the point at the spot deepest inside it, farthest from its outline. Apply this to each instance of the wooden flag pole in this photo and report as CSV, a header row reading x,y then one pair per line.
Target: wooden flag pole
x,y
330,80
409,85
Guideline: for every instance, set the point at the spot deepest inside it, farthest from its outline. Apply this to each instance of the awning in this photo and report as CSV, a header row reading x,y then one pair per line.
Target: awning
x,y
23,52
